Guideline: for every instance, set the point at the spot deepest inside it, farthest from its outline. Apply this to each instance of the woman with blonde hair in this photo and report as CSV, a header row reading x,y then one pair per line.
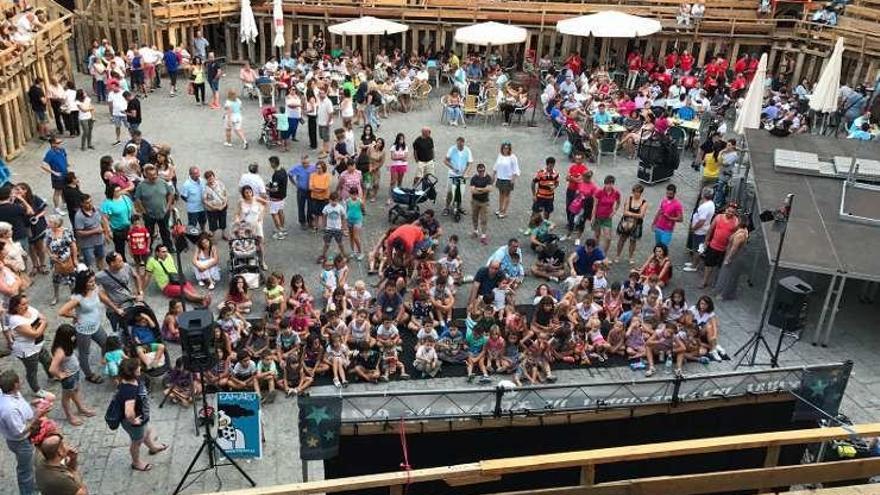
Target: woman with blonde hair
x,y
233,119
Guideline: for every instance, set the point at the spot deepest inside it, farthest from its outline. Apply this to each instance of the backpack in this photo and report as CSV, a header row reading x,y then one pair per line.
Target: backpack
x,y
114,414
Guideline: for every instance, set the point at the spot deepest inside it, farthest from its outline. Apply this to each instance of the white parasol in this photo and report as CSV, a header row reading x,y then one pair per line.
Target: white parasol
x,y
749,116
824,98
367,26
248,31
609,24
490,33
278,21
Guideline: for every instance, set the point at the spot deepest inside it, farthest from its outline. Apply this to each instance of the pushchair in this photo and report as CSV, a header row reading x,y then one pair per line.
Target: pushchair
x,y
244,258
407,200
129,319
269,135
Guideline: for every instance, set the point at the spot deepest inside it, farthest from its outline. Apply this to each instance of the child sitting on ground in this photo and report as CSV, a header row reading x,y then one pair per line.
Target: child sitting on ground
x,y
495,350
452,263
274,291
427,360
267,374
243,374
170,327
181,388
391,364
452,347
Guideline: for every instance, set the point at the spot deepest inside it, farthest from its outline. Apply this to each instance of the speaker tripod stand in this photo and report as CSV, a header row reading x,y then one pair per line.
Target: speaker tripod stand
x,y
750,349
210,445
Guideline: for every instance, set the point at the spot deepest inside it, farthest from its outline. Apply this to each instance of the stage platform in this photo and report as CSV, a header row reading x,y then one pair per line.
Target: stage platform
x,y
818,239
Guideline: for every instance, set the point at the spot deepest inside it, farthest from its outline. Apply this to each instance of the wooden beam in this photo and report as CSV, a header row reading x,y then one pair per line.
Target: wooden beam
x,y
725,481
588,475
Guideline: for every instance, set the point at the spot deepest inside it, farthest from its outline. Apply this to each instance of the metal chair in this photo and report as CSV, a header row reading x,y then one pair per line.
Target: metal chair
x,y
678,136
520,111
489,109
266,92
444,102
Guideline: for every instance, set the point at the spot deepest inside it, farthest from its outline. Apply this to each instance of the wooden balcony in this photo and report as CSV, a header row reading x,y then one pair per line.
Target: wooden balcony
x,y
763,478
47,56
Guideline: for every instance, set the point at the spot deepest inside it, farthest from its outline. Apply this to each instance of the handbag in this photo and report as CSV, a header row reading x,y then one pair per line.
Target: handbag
x,y
577,204
65,266
626,225
173,278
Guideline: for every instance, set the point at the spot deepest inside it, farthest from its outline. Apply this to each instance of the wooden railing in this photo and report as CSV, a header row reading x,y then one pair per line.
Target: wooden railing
x,y
771,474
46,56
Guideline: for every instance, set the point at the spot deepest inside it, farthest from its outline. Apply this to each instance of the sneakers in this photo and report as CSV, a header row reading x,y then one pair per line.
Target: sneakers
x,y
690,268
484,240
555,280
244,146
337,383
227,144
704,360
714,355
485,379
650,372
61,211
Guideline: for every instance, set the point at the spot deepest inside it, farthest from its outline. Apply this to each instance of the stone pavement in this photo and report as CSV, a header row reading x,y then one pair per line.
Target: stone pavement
x,y
196,136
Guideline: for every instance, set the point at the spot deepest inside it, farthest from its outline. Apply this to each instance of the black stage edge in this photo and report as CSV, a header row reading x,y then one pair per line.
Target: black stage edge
x,y
368,454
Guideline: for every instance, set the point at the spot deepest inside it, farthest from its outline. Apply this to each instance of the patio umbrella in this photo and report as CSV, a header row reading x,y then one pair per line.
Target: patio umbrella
x,y
490,33
609,24
278,21
824,98
248,31
368,26
749,116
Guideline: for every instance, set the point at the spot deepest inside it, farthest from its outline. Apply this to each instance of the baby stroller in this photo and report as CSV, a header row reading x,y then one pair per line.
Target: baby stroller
x,y
407,200
129,320
269,134
244,258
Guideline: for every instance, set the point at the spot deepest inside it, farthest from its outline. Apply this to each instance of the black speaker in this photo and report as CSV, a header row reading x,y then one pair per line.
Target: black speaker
x,y
789,311
197,340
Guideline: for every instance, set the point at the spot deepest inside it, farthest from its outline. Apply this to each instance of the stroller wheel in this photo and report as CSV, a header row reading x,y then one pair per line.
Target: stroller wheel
x,y
392,216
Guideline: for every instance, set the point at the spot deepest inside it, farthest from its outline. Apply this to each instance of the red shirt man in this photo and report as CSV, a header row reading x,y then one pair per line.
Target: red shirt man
x,y
742,64
671,59
576,173
648,64
574,63
689,81
738,84
410,235
686,61
634,61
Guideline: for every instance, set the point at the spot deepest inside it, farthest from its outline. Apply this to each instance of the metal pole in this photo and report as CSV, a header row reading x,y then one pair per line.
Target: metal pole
x,y
818,333
834,309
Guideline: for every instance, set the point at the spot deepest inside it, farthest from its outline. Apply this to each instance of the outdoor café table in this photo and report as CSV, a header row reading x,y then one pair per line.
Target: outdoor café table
x,y
690,128
608,143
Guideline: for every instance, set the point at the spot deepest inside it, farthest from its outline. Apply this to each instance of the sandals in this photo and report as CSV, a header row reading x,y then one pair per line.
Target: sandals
x,y
147,467
96,379
159,450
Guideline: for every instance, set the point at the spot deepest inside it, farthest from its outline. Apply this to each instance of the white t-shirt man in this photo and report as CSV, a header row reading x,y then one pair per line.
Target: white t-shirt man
x,y
118,103
325,112
258,185
704,212
459,159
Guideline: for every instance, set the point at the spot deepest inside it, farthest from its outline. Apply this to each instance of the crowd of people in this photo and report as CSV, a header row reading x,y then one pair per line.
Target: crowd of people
x,y
19,26
285,331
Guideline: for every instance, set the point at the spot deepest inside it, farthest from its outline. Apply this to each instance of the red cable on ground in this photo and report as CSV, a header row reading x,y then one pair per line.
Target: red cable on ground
x,y
405,464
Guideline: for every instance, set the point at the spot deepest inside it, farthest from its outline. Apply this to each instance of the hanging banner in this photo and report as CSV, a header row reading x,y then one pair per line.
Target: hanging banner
x,y
319,421
823,390
239,430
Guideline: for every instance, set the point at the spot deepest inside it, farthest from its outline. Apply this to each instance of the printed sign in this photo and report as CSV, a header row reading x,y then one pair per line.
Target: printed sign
x,y
239,432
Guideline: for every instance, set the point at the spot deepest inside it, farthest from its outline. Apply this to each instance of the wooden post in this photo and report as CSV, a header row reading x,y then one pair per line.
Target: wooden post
x,y
734,52
415,41
288,36
811,67
663,49
704,45
591,51
552,50
588,475
771,60
228,34
261,39
799,65
539,51
566,42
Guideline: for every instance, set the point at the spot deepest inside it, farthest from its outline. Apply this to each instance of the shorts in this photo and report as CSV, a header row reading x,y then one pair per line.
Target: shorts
x,y
71,382
41,116
424,168
398,169
57,185
602,223
276,206
712,258
324,132
316,207
140,259
92,253
135,433
504,185
133,126
217,220
215,85
233,122
356,225
543,204
696,240
662,236
174,290
120,121
332,235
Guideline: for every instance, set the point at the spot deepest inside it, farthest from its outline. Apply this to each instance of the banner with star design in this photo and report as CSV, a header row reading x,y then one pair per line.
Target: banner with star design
x,y
823,389
319,421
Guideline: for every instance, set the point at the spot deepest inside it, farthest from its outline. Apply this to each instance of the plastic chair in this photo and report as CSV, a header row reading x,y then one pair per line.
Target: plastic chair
x,y
490,108
470,105
266,92
677,135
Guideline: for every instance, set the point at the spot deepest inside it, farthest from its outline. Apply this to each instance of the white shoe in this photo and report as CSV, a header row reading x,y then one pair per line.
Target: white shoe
x,y
688,268
688,264
201,283
714,356
60,211
228,145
